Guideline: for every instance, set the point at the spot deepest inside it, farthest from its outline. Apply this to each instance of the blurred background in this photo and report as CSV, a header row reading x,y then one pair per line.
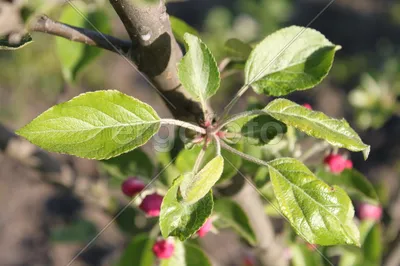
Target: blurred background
x,y
44,223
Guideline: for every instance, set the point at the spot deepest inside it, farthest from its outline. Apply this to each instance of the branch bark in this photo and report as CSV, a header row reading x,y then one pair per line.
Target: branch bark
x,y
269,250
46,25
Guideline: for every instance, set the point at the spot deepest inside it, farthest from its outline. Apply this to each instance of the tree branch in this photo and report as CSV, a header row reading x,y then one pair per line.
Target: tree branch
x,y
156,53
46,25
269,250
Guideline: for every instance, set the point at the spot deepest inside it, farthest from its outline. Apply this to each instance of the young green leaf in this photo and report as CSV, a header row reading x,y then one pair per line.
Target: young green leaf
x,y
6,45
237,50
186,255
186,160
353,182
317,124
198,71
101,22
319,213
371,234
180,27
370,253
195,186
138,251
181,219
233,215
95,125
293,58
75,56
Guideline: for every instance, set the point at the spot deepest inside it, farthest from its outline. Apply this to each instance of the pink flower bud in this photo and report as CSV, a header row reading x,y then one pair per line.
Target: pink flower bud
x,y
151,205
205,228
163,249
369,212
132,186
337,163
308,106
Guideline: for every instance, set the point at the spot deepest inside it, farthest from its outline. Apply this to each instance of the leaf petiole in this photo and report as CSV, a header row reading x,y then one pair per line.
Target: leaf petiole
x,y
218,145
180,123
243,155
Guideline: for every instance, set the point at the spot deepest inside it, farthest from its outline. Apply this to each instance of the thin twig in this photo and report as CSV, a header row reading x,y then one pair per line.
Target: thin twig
x,y
46,25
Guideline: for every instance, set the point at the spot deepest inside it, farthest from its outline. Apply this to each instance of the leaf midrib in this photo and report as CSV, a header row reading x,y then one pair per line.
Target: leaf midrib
x,y
101,128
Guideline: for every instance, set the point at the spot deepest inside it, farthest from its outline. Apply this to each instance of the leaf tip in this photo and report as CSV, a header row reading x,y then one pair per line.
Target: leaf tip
x,y
366,152
338,47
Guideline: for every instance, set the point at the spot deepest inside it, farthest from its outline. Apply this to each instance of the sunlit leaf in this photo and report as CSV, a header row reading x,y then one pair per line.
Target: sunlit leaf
x,y
319,213
198,71
293,58
95,125
317,124
187,158
181,219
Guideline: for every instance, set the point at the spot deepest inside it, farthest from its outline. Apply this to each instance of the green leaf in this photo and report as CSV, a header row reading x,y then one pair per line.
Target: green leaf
x,y
6,45
255,129
195,186
371,234
198,71
181,219
187,158
139,252
79,231
237,50
370,253
317,124
353,182
75,56
180,27
233,215
293,58
319,213
303,256
134,163
186,255
95,125
101,21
